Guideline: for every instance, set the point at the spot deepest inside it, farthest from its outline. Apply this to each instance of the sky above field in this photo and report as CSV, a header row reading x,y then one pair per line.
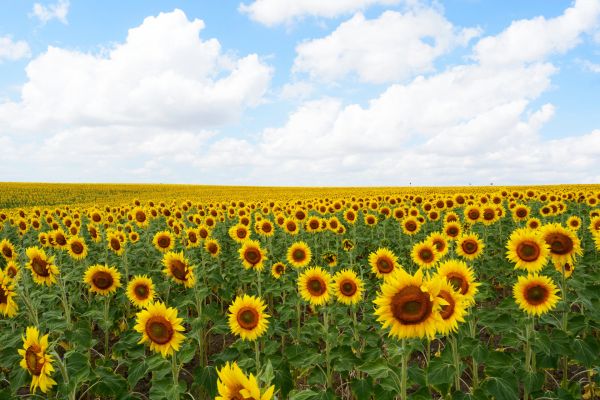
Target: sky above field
x,y
301,92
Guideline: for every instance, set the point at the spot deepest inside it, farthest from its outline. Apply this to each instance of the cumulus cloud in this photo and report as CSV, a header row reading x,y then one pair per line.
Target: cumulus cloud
x,y
392,47
57,11
11,50
274,12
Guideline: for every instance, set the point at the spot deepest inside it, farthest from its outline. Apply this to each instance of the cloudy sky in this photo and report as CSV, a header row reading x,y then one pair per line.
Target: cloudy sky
x,y
301,92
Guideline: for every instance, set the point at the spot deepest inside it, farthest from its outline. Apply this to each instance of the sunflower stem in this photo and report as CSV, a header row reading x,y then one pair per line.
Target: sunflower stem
x,y
456,361
257,356
175,372
565,359
258,282
106,325
475,364
404,371
65,301
327,349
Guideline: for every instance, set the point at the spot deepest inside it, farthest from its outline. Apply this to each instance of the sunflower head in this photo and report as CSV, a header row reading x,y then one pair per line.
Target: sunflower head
x,y
77,248
425,254
178,267
411,225
383,262
160,327
461,277
252,255
103,280
535,294
314,285
299,254
7,249
527,250
212,247
452,230
36,360
469,246
42,267
163,241
247,317
140,291
239,233
8,306
234,384
347,287
277,270
564,243
453,308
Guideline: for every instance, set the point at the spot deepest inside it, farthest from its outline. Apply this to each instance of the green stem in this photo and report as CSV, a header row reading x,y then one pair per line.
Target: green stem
x,y
404,371
175,372
565,358
65,301
258,283
475,364
327,349
456,361
106,325
257,356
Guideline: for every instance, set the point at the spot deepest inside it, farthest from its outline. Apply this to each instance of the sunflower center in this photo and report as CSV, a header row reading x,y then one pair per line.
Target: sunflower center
x,y
7,251
140,216
115,244
316,286
426,255
314,224
299,255
528,251
440,245
385,265
164,242
411,226
458,282
33,361
76,247
279,268
212,248
178,269
452,231
291,226
521,213
447,310
348,288
40,266
61,240
159,329
3,296
141,291
266,228
248,318
241,233
559,243
488,215
11,271
574,223
473,214
536,294
102,280
469,246
411,306
252,256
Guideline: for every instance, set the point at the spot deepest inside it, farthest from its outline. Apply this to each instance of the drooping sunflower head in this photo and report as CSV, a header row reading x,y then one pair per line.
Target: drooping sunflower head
x,y
36,361
140,291
409,305
299,254
212,247
564,243
8,306
383,262
527,250
277,270
453,308
247,317
469,246
7,249
425,254
163,241
77,248
178,267
347,287
103,280
160,327
252,255
347,245
314,285
42,267
535,294
461,277
233,384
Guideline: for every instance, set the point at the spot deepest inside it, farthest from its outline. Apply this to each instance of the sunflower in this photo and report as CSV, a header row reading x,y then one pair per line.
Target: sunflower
x,y
140,217
8,250
370,220
425,254
291,226
140,291
179,268
59,238
252,255
347,287
564,243
42,267
277,270
566,268
461,277
314,285
453,311
533,223
535,294
469,246
233,384
239,232
350,216
94,233
383,262
12,270
115,242
247,317
160,327
43,239
77,248
36,361
409,305
8,306
103,280
411,225
472,213
163,241
134,237
299,254
452,230
488,215
347,245
520,213
527,249
212,247
265,228
330,258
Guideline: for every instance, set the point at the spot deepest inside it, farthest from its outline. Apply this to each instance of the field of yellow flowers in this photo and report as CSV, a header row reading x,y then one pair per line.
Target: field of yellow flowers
x,y
200,292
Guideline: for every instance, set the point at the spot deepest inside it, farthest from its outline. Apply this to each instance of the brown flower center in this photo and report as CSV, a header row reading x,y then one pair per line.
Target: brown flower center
x,y
385,265
452,231
410,226
489,215
426,255
142,291
33,361
266,227
252,256
469,246
7,252
77,248
521,213
473,214
213,248
248,318
115,244
528,250
458,282
159,329
40,266
314,224
178,269
241,233
60,239
291,226
536,294
279,268
164,242
447,310
348,287
299,255
559,243
411,306
3,295
316,286
102,280
11,271
140,216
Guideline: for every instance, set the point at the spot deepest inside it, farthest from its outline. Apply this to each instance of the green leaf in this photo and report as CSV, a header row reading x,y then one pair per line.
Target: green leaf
x,y
303,395
586,351
502,388
136,371
108,383
362,388
376,369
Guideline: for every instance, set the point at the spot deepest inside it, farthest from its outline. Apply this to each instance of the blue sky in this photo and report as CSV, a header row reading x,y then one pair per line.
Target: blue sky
x,y
299,92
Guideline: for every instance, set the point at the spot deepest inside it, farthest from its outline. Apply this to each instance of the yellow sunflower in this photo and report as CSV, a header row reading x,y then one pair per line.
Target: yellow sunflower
x,y
163,241
239,233
299,254
454,311
233,384
247,317
212,247
252,255
452,230
140,217
330,258
77,248
12,270
520,213
179,268
461,277
160,327
533,223
115,242
42,267
383,262
36,361
277,270
564,243
8,250
291,226
469,246
410,225
573,222
313,224
527,250
535,294
140,291
472,213
265,228
425,254
347,287
103,280
440,242
409,305
8,306
314,286
59,239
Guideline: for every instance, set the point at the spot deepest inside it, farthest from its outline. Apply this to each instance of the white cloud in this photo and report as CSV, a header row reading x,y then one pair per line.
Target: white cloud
x,y
296,90
274,12
590,66
392,47
57,11
12,51
534,39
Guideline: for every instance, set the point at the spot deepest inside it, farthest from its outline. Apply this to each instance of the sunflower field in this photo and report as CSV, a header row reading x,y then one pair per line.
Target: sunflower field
x,y
187,292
